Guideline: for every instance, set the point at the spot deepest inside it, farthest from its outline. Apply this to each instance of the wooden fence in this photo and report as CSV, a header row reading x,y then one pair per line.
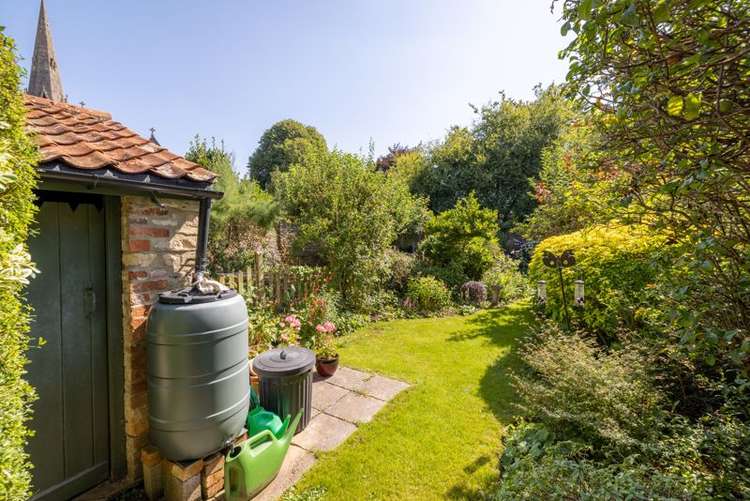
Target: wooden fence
x,y
276,286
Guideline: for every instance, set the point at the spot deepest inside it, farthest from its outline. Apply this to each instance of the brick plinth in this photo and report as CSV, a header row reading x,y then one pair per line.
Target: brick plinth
x,y
158,254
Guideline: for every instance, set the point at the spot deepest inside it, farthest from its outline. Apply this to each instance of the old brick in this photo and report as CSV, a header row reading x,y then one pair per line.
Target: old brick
x,y
142,260
150,285
139,245
136,400
137,275
185,470
148,231
137,321
139,311
136,421
150,455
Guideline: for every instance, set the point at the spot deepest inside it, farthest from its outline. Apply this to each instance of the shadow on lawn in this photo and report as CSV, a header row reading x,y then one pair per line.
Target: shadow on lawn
x,y
503,327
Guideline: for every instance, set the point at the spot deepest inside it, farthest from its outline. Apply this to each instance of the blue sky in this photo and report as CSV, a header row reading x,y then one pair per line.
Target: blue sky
x,y
396,71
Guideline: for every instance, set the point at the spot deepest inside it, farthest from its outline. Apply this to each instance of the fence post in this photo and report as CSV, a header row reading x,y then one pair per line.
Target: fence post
x,y
259,275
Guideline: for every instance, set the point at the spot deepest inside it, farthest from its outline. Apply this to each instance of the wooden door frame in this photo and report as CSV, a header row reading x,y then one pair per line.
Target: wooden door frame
x,y
114,319
115,367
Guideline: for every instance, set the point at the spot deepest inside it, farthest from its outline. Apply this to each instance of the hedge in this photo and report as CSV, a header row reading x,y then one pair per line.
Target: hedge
x,y
18,156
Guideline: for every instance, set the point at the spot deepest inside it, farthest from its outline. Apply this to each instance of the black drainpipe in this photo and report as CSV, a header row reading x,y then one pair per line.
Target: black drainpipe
x,y
201,250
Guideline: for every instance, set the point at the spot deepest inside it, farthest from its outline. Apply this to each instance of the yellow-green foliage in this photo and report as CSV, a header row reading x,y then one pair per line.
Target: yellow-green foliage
x,y
616,262
17,178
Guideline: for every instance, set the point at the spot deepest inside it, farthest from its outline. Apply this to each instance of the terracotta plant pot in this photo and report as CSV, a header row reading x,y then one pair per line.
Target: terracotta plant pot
x,y
326,367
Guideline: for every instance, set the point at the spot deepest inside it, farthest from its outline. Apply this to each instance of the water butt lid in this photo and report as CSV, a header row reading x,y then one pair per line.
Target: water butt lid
x,y
191,295
287,361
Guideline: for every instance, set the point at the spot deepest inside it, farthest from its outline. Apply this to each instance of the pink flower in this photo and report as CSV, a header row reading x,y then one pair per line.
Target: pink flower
x,y
293,322
320,328
329,326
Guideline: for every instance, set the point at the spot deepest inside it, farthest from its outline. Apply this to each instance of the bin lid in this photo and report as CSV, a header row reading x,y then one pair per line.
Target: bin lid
x,y
287,361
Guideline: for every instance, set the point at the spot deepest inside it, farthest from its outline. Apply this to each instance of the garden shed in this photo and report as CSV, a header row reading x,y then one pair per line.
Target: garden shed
x,y
117,224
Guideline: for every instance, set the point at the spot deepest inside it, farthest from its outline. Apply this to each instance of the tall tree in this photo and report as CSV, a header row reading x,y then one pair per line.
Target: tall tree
x,y
497,155
284,144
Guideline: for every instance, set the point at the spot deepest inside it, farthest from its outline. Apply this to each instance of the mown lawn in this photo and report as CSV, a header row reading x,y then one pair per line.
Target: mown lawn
x,y
440,438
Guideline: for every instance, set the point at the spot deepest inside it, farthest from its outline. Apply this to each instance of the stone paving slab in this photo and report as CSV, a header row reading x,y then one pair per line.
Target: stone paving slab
x,y
324,433
325,394
350,379
356,408
382,388
339,404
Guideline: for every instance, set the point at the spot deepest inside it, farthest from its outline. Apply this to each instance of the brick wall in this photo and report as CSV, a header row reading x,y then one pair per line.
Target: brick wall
x,y
158,254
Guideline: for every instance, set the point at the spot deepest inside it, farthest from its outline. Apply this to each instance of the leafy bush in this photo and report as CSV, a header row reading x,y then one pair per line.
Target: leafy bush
x,y
450,273
427,295
580,391
464,236
348,215
474,292
242,218
399,267
599,421
505,282
617,264
534,466
18,157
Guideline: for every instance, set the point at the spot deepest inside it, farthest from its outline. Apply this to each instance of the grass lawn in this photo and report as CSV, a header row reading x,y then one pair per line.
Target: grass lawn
x,y
440,438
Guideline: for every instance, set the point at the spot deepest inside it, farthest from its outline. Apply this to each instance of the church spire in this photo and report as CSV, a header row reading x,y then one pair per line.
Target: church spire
x,y
45,75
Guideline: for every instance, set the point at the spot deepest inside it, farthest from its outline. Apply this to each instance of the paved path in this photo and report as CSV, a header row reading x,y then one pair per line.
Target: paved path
x,y
340,403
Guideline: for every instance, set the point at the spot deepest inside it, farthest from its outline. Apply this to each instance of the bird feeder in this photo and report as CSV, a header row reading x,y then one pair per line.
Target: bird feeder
x,y
578,295
541,291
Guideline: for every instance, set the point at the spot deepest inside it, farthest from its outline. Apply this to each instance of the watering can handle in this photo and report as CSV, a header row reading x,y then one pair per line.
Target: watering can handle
x,y
257,437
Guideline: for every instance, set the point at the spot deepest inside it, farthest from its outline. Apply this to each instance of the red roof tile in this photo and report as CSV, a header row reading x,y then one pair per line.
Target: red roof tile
x,y
89,139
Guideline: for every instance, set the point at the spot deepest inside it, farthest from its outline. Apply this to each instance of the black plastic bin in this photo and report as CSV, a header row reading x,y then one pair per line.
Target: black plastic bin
x,y
286,381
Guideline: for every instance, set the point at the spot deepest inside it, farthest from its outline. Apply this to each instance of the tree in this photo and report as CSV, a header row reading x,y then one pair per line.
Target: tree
x,y
349,215
454,170
579,185
18,157
286,143
465,236
385,162
667,83
241,219
497,155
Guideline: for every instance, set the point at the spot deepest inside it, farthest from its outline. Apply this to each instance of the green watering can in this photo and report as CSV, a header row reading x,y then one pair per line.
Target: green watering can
x,y
260,419
249,467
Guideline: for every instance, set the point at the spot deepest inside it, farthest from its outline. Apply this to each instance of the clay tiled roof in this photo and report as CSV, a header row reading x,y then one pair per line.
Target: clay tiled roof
x,y
88,139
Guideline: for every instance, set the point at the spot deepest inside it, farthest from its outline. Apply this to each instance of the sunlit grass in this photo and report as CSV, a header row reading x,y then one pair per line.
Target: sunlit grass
x,y
440,438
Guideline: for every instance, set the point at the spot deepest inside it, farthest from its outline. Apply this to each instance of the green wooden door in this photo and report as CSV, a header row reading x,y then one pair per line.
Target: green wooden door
x,y
70,450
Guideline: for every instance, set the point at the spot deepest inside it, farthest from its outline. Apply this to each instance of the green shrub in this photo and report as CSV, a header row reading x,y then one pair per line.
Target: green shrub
x,y
505,282
618,265
464,236
581,392
534,466
450,273
18,157
427,295
399,267
348,216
